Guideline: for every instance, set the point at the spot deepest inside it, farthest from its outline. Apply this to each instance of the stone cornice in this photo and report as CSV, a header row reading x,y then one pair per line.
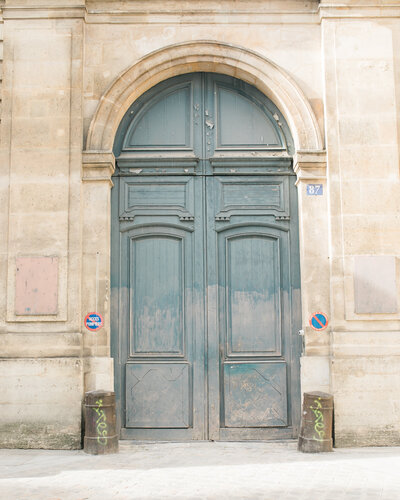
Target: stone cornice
x,y
355,10
42,12
204,12
165,12
212,17
150,12
309,165
98,166
223,7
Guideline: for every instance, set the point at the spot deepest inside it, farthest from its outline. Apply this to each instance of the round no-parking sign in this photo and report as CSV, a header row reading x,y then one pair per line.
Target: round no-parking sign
x,y
318,321
94,321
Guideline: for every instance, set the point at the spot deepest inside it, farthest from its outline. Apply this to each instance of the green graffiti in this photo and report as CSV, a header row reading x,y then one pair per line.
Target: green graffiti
x,y
319,426
101,423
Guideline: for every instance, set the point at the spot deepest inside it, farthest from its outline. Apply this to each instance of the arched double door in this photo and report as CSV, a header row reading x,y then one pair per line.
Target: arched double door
x,y
205,265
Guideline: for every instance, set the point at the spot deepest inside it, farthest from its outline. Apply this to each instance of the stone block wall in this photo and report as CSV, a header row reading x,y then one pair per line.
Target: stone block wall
x,y
362,118
62,62
41,147
40,403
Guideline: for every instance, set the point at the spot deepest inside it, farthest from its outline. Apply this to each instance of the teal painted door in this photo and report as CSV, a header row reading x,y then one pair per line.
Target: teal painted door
x,y
205,265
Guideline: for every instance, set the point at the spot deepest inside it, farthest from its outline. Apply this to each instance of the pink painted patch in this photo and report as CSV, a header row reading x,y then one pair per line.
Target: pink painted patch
x,y
36,286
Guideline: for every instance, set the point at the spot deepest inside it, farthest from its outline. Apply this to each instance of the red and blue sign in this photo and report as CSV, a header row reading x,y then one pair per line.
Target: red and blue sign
x,y
318,321
94,321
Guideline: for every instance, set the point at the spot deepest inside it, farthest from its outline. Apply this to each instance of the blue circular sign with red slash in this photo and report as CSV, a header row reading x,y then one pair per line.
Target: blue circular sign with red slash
x,y
94,321
319,321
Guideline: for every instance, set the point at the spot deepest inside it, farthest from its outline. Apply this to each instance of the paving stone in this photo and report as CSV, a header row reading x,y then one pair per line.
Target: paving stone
x,y
201,470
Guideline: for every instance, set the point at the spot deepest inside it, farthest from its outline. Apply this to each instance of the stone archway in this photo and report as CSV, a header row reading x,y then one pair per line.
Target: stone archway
x,y
205,56
98,166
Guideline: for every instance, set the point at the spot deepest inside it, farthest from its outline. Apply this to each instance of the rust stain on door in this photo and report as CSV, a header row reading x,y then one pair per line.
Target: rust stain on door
x,y
36,286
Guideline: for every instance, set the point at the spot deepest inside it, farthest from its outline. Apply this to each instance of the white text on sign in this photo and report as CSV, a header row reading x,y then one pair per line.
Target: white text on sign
x,y
314,189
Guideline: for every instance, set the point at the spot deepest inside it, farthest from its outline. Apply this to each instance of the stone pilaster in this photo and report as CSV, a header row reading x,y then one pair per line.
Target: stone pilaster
x,y
97,169
310,168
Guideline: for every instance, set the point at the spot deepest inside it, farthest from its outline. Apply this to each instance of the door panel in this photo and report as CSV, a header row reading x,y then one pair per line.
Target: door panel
x,y
255,394
254,129
157,289
252,294
152,126
158,395
251,195
152,195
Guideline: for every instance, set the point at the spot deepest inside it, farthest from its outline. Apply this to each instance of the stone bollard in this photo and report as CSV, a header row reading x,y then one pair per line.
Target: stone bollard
x,y
316,423
100,423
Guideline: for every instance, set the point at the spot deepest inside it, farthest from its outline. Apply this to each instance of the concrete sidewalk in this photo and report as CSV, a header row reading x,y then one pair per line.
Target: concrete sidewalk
x,y
201,470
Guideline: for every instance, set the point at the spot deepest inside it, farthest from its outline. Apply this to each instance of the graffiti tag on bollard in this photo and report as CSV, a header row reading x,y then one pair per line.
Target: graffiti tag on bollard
x,y
319,426
316,424
101,423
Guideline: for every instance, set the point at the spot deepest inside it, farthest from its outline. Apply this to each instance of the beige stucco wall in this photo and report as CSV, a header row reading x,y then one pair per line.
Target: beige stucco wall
x,y
332,70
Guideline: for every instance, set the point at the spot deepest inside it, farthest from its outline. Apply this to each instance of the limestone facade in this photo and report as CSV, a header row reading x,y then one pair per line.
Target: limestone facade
x,y
71,69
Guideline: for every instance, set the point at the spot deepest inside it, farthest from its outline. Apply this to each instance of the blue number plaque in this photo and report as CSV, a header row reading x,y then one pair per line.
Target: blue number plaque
x,y
314,189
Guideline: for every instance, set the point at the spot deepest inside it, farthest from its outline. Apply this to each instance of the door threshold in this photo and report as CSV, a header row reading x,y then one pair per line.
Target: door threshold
x,y
195,441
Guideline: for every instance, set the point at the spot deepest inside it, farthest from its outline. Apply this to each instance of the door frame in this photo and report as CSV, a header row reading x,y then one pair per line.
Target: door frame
x,y
98,164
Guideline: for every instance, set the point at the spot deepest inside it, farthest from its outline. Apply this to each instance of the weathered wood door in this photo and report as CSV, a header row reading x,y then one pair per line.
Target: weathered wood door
x,y
205,265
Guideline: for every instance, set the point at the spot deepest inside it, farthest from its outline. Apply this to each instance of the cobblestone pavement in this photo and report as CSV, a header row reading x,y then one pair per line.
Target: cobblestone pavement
x,y
201,470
